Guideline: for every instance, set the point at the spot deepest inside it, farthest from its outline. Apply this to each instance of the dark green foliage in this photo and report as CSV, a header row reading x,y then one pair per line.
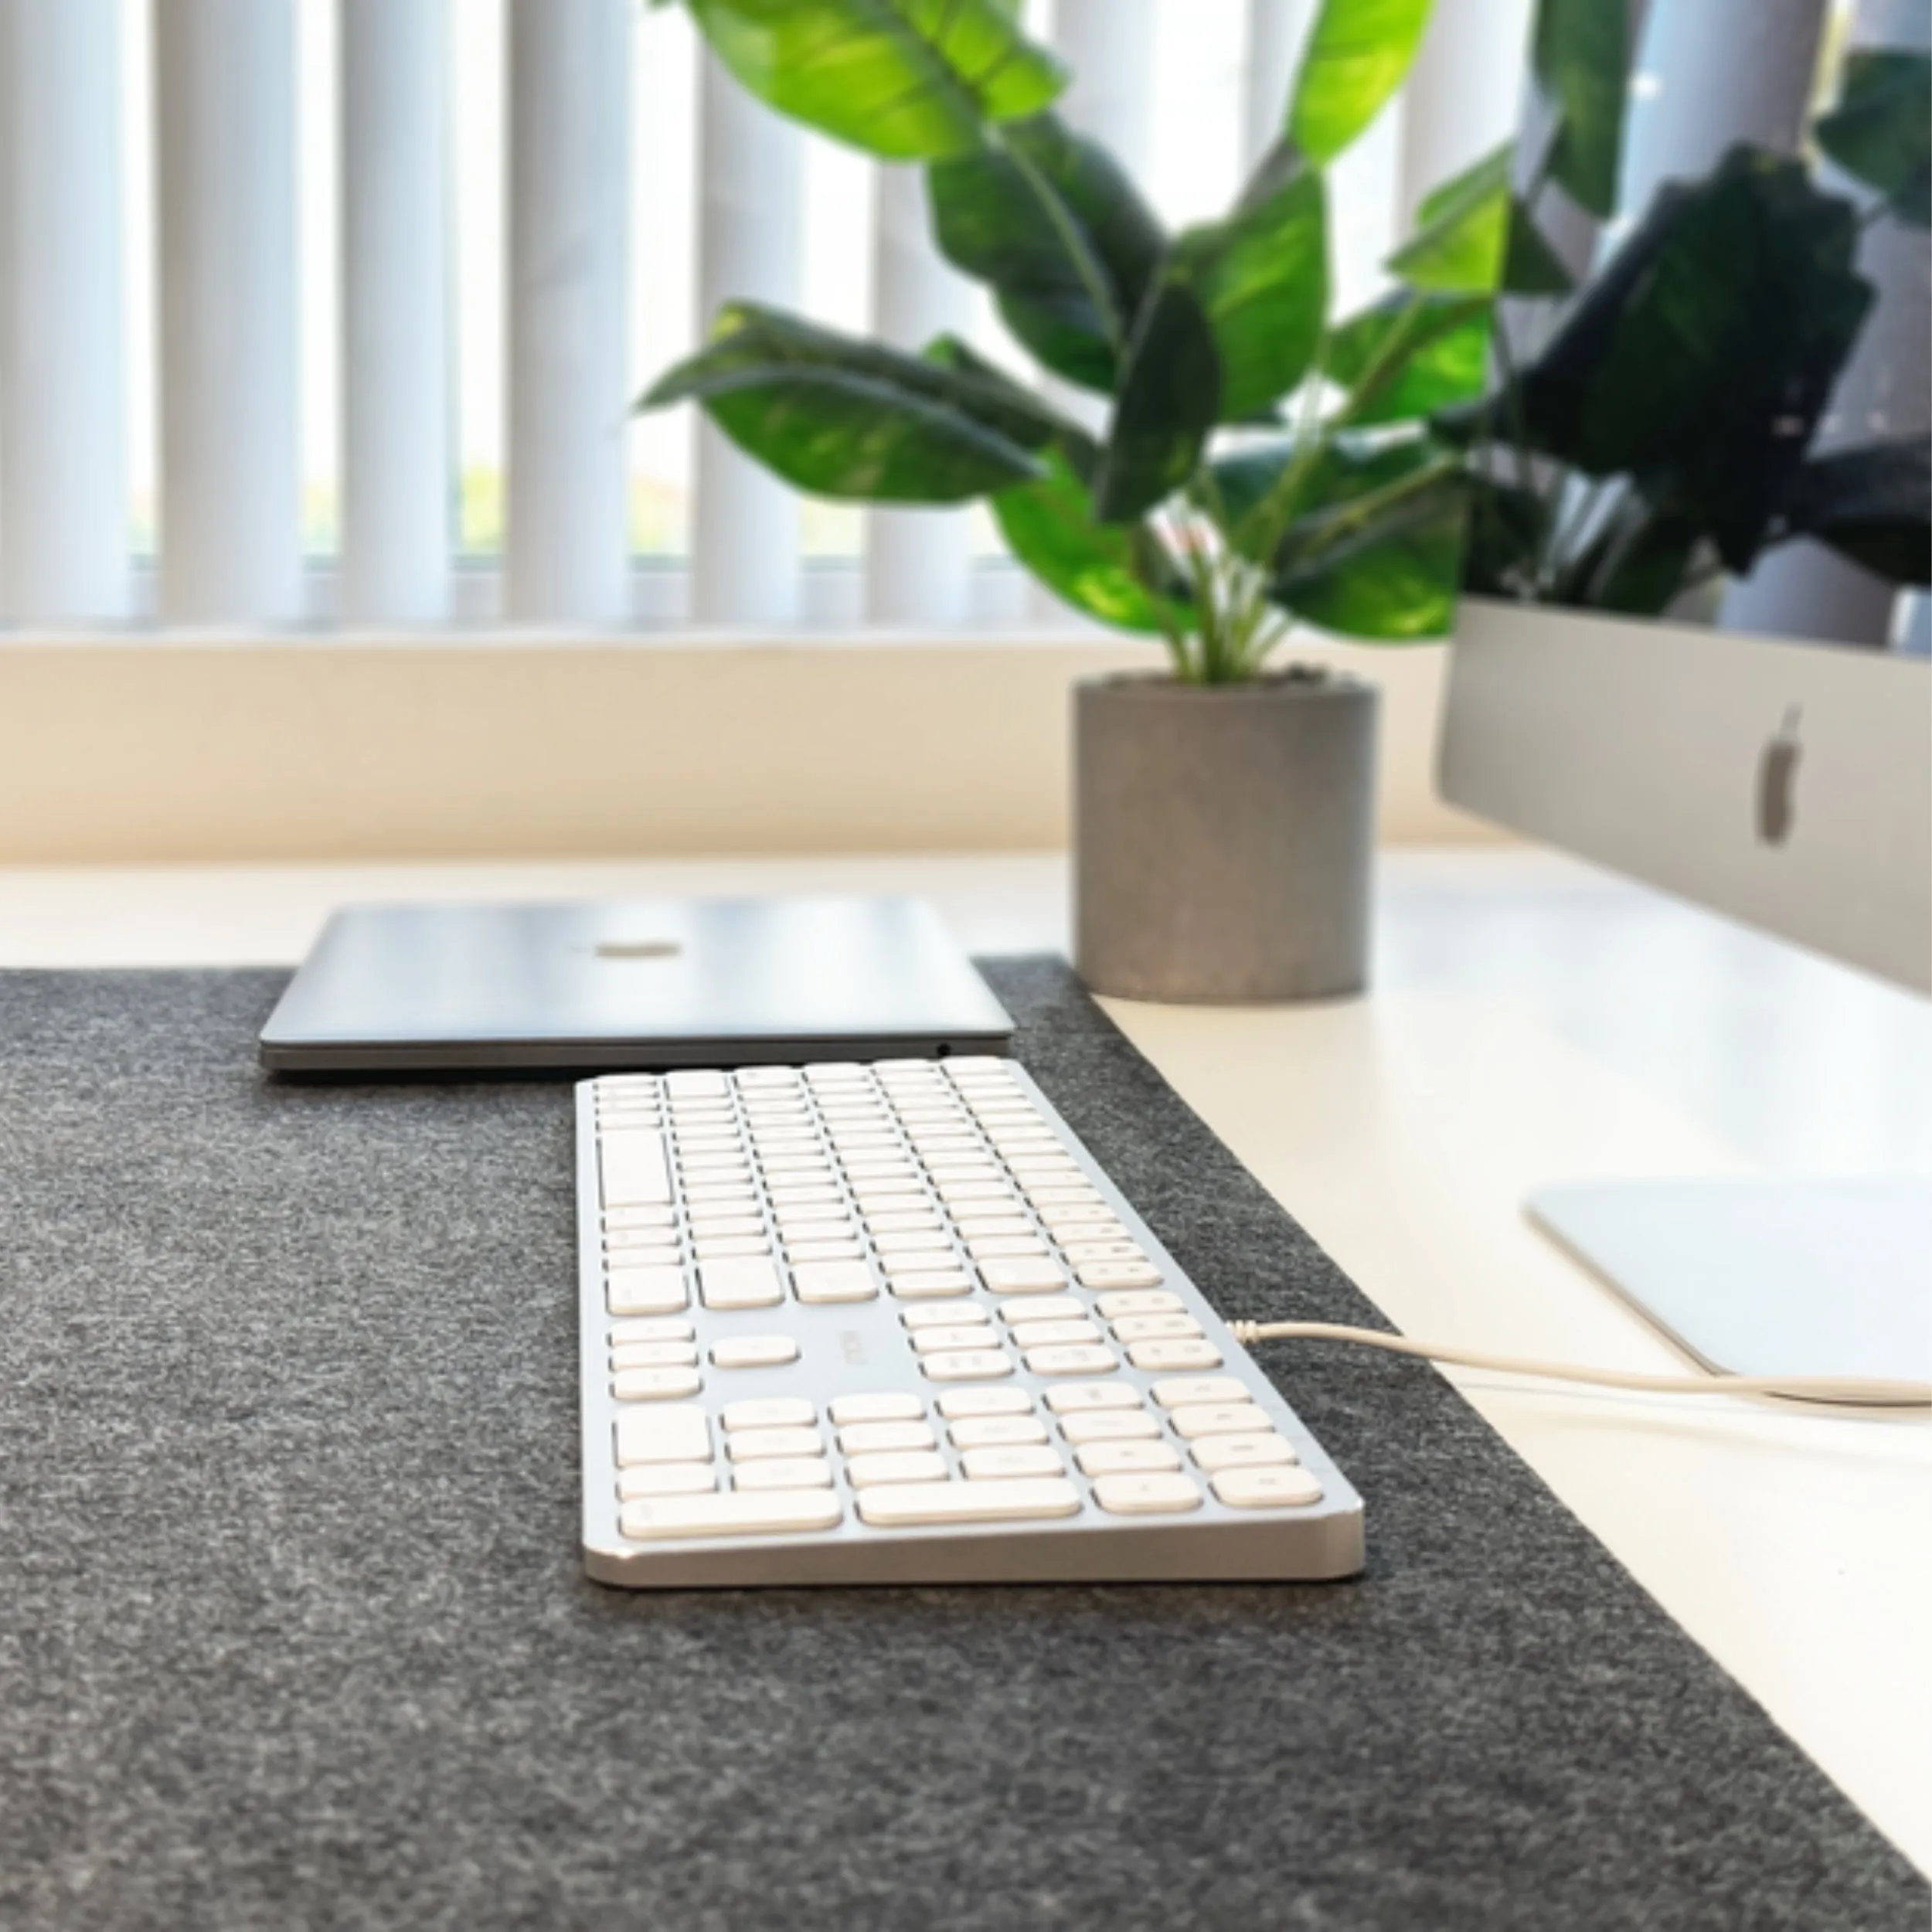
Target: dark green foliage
x,y
848,418
1881,130
1582,60
904,80
1049,221
1699,361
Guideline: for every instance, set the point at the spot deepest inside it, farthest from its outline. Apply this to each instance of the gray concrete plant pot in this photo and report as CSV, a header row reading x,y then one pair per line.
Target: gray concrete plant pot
x,y
1223,837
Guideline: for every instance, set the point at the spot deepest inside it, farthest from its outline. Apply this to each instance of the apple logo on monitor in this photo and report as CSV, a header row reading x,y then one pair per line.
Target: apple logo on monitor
x,y
1777,781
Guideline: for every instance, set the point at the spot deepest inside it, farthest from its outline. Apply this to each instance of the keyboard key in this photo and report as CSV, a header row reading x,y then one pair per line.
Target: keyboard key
x,y
654,1254
967,1365
1277,1488
818,1281
696,1083
645,1290
1003,1462
938,1315
849,1249
997,1432
1079,1251
682,1434
1220,1419
720,1195
1119,1274
1125,1458
744,1284
632,1169
784,1472
1109,1425
704,1224
1035,1334
1216,1453
1078,1358
1149,1495
731,1512
760,1445
848,1410
1078,1397
918,1284
968,1335
909,1465
666,1479
665,1217
654,1354
1192,1391
652,1327
1159,1357
1050,1308
987,1227
1022,1278
731,1247
1007,1247
961,1404
804,1215
933,1241
1135,1301
754,1352
905,1505
1157,1327
768,1412
875,1438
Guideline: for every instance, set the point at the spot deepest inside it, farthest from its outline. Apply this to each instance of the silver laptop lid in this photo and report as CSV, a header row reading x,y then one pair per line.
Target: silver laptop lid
x,y
630,984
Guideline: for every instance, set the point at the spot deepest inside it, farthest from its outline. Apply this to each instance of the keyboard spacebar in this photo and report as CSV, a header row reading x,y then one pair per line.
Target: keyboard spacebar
x,y
901,1506
633,1169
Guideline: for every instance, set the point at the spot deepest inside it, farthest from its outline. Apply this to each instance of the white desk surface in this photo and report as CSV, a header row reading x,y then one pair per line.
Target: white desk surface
x,y
1533,1021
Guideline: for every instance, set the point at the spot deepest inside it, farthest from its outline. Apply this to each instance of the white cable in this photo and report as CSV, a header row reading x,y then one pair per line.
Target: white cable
x,y
1860,1392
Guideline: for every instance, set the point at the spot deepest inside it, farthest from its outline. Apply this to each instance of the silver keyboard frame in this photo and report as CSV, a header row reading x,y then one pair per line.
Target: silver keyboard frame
x,y
855,1348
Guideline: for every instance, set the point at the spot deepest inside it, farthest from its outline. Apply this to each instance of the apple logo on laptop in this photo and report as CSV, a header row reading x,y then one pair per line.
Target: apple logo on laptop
x,y
638,948
1776,778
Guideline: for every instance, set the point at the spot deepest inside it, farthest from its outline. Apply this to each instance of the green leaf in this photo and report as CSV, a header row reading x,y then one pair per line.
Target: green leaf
x,y
1881,130
1698,362
1358,51
1233,325
1581,60
904,80
1408,356
1166,404
1872,503
847,418
1105,569
1050,221
1262,279
1472,238
1381,559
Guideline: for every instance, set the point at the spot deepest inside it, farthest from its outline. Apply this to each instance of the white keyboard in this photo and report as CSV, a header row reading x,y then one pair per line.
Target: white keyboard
x,y
844,1324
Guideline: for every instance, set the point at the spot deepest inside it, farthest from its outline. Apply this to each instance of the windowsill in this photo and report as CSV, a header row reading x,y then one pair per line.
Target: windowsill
x,y
250,745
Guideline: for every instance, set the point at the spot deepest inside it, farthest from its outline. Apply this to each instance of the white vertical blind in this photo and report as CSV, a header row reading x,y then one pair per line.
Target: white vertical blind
x,y
1463,94
396,398
224,124
917,562
1110,46
63,503
744,563
565,550
234,81
1276,29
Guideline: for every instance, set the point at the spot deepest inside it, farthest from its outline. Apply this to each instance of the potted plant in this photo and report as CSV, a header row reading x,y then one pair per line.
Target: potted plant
x,y
1262,463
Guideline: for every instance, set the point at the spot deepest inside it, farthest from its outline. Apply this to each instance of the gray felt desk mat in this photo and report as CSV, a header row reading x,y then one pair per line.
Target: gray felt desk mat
x,y
293,1633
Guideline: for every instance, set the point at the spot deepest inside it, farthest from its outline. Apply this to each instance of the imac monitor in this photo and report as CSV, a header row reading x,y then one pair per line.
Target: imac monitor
x,y
1695,643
